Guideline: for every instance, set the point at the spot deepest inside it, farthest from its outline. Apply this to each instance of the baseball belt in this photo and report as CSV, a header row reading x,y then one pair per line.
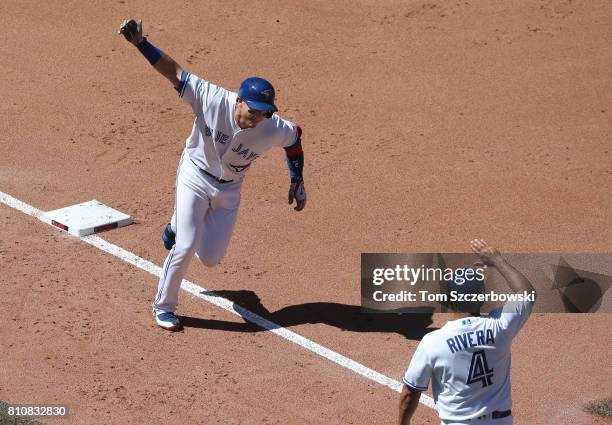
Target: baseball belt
x,y
502,414
212,176
496,414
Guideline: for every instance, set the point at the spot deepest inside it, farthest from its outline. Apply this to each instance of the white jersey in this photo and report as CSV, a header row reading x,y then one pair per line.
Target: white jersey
x,y
216,143
468,362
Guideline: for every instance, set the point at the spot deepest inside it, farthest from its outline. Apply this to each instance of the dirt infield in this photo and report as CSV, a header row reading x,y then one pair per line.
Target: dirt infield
x,y
426,123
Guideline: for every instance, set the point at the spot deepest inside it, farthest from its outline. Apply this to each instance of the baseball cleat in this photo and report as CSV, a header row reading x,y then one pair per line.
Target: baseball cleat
x,y
168,321
169,237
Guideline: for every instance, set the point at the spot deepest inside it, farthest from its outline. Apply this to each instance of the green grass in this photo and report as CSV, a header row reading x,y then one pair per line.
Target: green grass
x,y
601,408
9,420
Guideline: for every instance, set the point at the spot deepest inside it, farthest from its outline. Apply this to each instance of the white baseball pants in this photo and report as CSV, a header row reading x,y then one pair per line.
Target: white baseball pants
x,y
203,220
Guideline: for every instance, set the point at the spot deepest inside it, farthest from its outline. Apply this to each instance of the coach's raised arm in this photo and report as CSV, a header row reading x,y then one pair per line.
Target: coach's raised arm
x,y
492,257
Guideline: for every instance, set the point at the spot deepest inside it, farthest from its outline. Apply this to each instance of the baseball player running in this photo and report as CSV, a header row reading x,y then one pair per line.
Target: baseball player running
x,y
468,359
230,131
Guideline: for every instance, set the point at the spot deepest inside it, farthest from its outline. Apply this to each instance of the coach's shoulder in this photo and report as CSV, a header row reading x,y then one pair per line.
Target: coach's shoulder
x,y
433,337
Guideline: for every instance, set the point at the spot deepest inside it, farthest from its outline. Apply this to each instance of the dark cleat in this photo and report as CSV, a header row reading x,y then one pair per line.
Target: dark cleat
x,y
169,237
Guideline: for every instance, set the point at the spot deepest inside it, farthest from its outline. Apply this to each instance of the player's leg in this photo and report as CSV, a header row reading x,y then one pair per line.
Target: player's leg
x,y
191,209
169,233
219,225
218,229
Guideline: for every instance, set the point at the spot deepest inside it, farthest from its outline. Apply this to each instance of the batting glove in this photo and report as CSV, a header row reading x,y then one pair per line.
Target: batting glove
x,y
132,31
297,192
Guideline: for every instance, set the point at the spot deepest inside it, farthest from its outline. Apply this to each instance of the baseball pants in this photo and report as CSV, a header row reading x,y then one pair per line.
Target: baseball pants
x,y
203,220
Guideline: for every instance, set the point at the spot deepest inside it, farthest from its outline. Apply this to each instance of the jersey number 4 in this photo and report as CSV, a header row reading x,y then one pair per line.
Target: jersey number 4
x,y
479,370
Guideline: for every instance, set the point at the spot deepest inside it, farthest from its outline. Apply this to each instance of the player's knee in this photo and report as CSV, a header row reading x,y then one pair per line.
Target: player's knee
x,y
210,259
209,262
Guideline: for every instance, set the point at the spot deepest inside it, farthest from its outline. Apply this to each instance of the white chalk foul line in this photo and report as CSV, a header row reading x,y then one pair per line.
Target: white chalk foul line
x,y
228,305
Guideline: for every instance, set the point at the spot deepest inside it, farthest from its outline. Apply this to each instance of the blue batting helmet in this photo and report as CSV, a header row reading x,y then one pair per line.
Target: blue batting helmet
x,y
258,94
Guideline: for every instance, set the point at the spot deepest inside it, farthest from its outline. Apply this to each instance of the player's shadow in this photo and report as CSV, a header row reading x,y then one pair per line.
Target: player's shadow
x,y
346,317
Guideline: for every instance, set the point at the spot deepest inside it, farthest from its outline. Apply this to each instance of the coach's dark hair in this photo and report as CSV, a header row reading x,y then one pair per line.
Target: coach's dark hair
x,y
469,286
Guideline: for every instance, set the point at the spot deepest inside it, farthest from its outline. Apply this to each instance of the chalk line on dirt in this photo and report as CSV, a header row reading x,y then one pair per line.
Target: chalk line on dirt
x,y
226,304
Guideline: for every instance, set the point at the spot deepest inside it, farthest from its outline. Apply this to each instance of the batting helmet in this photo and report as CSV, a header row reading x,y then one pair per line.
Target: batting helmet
x,y
258,94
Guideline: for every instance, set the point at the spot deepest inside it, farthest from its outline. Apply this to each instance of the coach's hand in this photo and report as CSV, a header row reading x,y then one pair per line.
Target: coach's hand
x,y
297,192
132,31
489,255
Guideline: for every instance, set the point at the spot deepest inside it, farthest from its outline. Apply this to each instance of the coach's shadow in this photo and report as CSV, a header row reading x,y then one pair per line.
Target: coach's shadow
x,y
346,317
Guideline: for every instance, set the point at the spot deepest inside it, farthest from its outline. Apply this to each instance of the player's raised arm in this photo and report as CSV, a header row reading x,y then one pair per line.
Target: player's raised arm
x,y
164,64
492,257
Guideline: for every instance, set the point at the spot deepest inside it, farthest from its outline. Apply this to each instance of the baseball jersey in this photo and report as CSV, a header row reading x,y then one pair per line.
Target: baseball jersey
x,y
468,362
216,143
